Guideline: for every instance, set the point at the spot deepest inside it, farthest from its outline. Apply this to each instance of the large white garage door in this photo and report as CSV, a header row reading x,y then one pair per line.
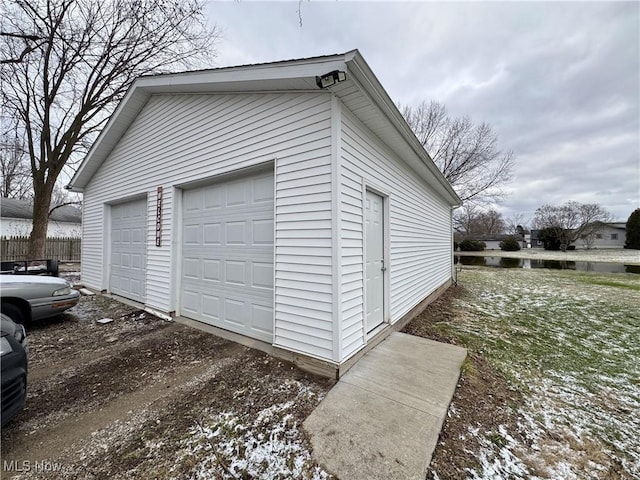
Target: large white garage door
x,y
128,249
227,267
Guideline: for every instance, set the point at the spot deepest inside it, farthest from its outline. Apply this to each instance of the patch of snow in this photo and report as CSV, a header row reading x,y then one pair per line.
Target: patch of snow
x,y
500,463
230,445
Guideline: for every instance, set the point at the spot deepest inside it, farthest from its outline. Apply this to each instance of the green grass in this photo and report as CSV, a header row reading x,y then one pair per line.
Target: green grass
x,y
608,283
570,342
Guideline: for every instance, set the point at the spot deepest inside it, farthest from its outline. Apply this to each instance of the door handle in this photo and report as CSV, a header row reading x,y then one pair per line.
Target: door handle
x,y
383,268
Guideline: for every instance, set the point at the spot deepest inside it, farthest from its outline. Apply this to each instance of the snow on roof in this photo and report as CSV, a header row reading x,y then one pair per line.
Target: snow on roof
x,y
16,208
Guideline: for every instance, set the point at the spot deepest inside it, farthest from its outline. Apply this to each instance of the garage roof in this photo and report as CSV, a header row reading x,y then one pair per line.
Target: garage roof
x,y
362,93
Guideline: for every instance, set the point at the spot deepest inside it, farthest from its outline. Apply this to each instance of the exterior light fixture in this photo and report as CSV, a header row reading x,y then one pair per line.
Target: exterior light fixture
x,y
331,78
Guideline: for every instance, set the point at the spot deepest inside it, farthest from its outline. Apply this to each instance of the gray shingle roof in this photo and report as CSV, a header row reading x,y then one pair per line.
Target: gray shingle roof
x,y
14,208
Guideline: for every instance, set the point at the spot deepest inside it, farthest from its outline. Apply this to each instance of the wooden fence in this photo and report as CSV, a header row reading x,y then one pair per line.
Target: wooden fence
x,y
64,249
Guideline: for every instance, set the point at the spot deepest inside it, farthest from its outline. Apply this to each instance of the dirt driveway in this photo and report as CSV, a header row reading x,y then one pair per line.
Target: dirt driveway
x,y
141,397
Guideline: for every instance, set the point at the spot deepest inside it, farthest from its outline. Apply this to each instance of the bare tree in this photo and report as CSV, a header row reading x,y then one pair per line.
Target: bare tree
x,y
470,220
516,223
62,197
490,222
590,233
464,219
571,221
467,154
66,64
15,174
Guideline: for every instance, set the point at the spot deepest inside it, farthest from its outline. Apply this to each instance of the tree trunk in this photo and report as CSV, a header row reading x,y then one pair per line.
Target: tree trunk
x,y
38,237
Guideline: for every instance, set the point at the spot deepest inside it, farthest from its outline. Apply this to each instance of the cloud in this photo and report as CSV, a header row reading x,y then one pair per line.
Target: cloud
x,y
559,82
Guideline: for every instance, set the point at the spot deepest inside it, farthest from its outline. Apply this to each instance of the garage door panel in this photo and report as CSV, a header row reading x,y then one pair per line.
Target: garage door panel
x,y
137,235
236,193
236,233
263,190
136,287
211,270
262,275
262,318
262,232
234,272
234,312
191,234
136,261
212,198
192,201
191,268
190,301
228,255
211,306
212,233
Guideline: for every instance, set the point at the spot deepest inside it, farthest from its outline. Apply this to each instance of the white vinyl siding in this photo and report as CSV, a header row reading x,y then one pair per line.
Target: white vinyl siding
x,y
303,293
352,258
178,139
419,236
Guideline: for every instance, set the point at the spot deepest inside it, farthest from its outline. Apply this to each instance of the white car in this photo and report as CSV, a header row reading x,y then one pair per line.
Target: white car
x,y
34,297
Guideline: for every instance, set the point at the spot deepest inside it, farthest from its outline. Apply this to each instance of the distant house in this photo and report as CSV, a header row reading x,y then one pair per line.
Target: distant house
x,y
535,241
17,220
612,235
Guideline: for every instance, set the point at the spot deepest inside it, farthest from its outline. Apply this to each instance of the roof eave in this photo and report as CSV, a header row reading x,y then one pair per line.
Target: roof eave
x,y
389,109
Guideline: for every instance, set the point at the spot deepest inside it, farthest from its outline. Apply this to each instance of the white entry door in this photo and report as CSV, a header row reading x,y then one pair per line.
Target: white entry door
x,y
128,249
374,262
227,255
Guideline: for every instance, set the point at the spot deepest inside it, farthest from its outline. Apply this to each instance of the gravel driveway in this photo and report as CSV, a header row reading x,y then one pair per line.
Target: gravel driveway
x,y
141,397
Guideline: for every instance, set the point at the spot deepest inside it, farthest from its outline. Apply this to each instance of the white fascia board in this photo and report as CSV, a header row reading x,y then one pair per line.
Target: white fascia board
x,y
244,78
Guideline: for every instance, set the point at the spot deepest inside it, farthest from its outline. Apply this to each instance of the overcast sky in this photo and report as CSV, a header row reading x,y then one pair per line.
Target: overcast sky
x,y
559,82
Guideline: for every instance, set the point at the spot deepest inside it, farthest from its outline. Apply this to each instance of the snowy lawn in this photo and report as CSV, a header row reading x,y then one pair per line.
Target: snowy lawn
x,y
570,342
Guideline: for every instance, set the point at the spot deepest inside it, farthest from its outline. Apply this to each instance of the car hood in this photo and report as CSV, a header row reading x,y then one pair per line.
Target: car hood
x,y
23,280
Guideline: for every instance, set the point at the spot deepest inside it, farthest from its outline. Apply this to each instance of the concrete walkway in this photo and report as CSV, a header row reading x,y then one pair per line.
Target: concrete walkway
x,y
383,418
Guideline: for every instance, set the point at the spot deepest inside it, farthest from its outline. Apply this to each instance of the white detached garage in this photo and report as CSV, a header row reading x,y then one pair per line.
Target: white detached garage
x,y
286,202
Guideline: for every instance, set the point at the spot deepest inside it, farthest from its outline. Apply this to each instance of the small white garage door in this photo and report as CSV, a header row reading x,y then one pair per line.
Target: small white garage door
x,y
227,249
128,249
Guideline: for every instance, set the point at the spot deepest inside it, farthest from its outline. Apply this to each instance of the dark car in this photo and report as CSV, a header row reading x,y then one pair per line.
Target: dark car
x,y
13,358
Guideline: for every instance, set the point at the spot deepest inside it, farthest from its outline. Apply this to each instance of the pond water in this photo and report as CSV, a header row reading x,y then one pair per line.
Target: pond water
x,y
505,262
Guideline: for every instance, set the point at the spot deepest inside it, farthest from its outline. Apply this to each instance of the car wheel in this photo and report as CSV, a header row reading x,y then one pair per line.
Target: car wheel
x,y
12,311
